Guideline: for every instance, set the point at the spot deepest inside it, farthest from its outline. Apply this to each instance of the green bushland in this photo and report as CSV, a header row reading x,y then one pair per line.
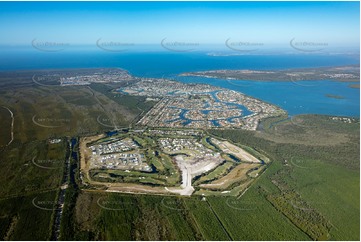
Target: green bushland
x,y
145,218
322,180
5,131
135,104
65,111
253,218
20,175
68,229
209,226
298,210
334,192
28,222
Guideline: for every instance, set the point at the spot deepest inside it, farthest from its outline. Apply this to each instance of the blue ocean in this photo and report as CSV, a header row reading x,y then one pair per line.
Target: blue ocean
x,y
308,97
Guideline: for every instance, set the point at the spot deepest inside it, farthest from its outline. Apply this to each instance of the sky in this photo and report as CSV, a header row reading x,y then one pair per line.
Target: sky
x,y
268,23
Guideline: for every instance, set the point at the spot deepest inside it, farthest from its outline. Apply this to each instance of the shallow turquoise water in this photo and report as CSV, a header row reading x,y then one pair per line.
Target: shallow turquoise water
x,y
306,97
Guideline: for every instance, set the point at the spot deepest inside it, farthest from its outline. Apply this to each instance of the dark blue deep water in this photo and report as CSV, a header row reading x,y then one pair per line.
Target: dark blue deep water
x,y
296,98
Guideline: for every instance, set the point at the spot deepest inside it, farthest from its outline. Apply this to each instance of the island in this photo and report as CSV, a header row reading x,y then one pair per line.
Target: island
x,y
350,73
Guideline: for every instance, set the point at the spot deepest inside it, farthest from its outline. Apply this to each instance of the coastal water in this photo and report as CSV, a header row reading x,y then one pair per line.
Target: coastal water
x,y
306,97
161,63
296,98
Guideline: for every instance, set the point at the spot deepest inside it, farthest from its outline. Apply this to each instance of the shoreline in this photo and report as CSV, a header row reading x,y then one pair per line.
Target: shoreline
x,y
345,73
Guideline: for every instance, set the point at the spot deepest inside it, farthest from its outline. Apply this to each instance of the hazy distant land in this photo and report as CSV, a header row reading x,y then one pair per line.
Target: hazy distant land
x,y
350,73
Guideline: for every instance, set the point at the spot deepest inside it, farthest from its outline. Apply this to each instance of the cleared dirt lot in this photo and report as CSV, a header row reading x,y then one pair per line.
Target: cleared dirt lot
x,y
238,152
191,169
134,188
239,173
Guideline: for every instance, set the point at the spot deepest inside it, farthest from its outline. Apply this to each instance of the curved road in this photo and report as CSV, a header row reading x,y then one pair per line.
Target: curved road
x,y
12,125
